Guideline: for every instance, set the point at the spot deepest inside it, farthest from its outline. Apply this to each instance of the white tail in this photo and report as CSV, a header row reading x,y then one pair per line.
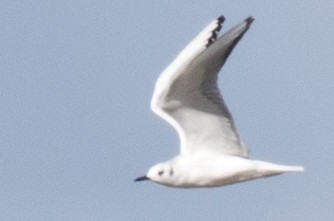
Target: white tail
x,y
284,168
269,169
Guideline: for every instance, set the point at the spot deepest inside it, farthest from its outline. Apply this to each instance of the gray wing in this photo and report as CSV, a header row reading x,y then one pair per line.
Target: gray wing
x,y
187,96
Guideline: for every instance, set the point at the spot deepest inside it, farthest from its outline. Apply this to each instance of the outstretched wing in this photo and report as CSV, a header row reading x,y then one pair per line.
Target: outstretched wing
x,y
187,96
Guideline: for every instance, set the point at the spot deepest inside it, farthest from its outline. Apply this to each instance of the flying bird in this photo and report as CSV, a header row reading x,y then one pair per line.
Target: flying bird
x,y
187,96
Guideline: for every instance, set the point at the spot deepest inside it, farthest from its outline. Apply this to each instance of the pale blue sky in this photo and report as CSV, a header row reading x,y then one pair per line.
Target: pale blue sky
x,y
76,79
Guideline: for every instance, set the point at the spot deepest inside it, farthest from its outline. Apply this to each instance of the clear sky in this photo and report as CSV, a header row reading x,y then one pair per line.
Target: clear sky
x,y
76,79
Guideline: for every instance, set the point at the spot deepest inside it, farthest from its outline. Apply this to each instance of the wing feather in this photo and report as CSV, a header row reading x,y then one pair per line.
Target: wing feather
x,y
187,95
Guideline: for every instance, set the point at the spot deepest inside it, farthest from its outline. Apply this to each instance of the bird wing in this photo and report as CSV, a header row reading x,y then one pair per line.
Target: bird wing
x,y
187,96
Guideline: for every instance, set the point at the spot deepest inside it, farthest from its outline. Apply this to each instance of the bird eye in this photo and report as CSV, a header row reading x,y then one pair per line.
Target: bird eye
x,y
160,172
171,172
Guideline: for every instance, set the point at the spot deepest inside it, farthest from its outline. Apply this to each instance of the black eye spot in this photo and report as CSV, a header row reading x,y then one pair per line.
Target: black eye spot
x,y
160,173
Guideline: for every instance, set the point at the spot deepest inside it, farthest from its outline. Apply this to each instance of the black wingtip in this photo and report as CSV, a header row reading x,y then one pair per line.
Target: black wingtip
x,y
214,33
249,20
221,19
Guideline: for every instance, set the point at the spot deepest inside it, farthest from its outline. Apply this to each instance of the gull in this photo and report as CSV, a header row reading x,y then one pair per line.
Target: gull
x,y
187,96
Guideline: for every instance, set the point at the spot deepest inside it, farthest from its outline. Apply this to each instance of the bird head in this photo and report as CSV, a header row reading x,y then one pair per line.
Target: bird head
x,y
161,173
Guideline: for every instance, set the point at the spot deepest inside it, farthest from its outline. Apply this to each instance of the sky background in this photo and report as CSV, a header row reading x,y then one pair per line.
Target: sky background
x,y
76,79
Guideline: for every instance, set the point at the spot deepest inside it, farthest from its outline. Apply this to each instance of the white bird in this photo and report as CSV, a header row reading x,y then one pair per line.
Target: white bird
x,y
187,96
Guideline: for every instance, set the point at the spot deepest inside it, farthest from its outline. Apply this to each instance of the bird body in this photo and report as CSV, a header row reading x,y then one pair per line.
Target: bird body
x,y
187,96
202,170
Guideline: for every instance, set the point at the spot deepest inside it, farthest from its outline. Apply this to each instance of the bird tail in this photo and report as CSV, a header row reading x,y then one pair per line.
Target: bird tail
x,y
270,169
285,168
